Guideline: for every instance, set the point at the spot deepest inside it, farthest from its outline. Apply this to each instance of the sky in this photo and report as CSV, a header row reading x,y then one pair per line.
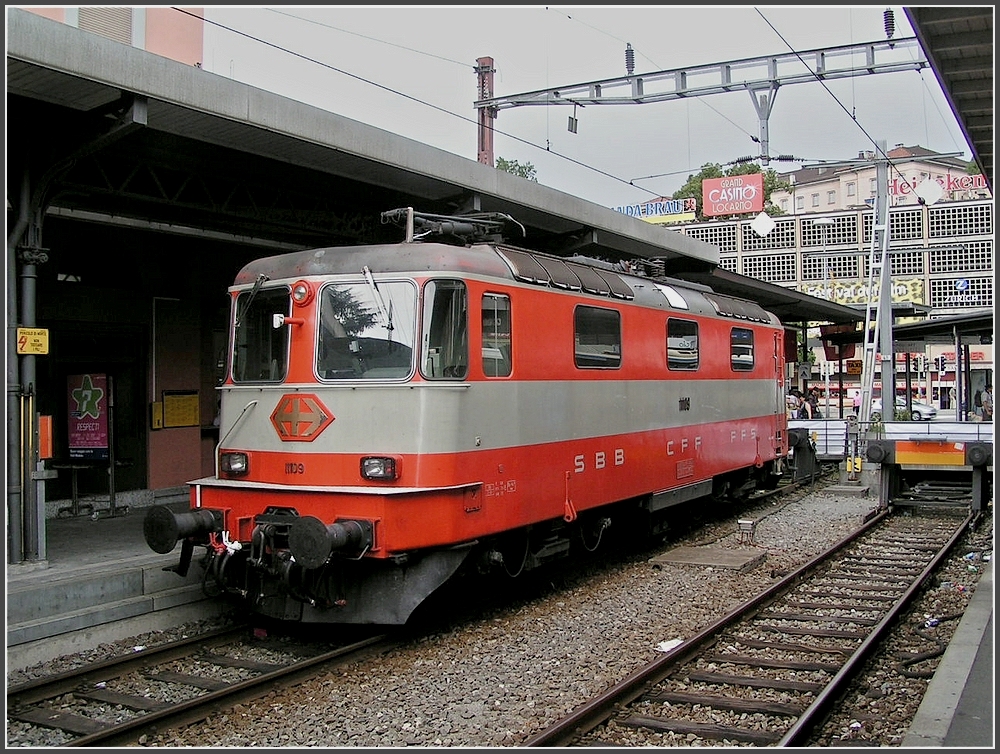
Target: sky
x,y
409,70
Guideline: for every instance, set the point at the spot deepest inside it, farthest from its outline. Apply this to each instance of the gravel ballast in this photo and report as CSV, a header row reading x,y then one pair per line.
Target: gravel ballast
x,y
509,661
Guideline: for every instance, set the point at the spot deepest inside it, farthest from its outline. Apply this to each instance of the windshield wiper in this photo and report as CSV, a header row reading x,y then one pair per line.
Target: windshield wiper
x,y
261,279
385,319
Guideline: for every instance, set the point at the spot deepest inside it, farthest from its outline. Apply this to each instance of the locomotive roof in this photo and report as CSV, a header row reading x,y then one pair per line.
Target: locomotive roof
x,y
480,259
500,261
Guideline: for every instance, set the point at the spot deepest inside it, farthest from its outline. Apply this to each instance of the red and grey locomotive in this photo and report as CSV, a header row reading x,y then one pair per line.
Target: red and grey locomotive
x,y
392,412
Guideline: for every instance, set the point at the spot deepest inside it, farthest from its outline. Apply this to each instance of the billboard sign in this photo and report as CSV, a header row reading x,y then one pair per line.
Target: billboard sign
x,y
733,195
87,402
662,211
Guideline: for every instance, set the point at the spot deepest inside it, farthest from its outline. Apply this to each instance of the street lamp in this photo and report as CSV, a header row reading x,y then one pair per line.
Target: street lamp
x,y
824,223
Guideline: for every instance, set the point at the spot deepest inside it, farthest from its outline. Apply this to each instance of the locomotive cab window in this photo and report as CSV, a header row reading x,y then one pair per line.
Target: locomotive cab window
x,y
597,337
741,349
496,335
260,351
367,330
682,344
444,353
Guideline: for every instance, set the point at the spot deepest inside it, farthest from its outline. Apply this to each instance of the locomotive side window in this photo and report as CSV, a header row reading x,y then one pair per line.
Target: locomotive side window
x,y
682,344
366,330
444,351
741,349
496,335
597,337
260,351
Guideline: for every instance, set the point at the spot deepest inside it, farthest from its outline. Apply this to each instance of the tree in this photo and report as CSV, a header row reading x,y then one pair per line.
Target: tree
x,y
972,168
527,170
692,187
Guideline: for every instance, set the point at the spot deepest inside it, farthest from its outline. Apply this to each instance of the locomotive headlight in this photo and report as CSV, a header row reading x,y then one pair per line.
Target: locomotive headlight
x,y
379,467
236,464
302,292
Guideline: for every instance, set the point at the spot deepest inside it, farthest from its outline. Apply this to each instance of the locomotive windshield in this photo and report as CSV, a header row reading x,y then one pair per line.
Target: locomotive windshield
x,y
366,330
260,352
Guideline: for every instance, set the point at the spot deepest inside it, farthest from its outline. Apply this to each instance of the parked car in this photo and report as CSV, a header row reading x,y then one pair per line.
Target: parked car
x,y
918,410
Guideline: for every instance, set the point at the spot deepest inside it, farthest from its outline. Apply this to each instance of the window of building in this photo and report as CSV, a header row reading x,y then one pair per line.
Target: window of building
x,y
723,236
784,205
496,335
444,352
960,220
741,349
682,344
800,202
597,336
852,189
873,186
772,268
831,197
815,200
113,22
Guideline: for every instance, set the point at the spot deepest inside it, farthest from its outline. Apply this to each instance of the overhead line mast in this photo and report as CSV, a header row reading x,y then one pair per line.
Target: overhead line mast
x,y
762,77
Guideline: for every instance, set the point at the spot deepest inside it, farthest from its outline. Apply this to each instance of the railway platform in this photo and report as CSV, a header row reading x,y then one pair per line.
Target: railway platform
x,y
101,582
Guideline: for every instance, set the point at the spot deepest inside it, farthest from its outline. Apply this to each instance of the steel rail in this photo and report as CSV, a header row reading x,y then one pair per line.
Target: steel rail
x,y
590,715
595,711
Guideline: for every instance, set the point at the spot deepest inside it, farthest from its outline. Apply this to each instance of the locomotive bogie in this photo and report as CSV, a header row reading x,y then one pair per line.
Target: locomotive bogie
x,y
388,411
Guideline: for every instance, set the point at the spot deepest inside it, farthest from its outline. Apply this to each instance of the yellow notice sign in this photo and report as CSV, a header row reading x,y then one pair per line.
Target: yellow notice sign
x,y
180,408
34,340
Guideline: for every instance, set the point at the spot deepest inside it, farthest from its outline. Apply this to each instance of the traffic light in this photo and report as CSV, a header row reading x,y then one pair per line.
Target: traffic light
x,y
939,363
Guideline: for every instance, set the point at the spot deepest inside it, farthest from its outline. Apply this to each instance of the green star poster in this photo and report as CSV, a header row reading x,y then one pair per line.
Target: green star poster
x,y
88,416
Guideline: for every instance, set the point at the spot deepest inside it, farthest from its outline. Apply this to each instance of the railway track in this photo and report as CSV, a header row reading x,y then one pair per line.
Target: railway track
x,y
769,672
116,702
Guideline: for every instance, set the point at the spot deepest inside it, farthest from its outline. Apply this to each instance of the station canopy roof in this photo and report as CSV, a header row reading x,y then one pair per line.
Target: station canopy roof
x,y
947,330
789,305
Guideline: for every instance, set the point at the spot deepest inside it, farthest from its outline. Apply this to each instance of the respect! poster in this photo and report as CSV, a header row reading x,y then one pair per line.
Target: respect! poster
x,y
88,416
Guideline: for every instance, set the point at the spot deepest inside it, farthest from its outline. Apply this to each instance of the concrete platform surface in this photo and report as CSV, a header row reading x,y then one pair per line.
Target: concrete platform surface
x,y
958,707
715,557
99,581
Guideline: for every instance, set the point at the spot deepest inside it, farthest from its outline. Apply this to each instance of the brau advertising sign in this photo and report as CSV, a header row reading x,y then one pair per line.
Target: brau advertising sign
x,y
88,416
733,195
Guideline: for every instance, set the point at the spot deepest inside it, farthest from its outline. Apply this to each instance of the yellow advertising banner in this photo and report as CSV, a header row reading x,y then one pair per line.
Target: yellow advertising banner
x,y
841,292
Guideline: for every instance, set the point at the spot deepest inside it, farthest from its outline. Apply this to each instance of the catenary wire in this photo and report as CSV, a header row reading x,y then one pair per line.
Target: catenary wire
x,y
547,148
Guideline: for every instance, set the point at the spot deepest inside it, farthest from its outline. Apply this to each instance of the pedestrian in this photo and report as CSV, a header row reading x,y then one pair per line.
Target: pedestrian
x,y
813,401
977,403
988,402
857,403
793,401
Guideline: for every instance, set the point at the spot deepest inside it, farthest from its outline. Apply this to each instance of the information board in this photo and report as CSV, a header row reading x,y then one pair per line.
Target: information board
x,y
181,408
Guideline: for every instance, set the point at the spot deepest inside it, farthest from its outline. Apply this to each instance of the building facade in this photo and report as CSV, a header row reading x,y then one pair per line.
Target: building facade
x,y
827,189
162,31
942,261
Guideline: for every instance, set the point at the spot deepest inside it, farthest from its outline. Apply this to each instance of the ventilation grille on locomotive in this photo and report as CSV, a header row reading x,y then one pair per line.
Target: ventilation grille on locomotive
x,y
548,271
